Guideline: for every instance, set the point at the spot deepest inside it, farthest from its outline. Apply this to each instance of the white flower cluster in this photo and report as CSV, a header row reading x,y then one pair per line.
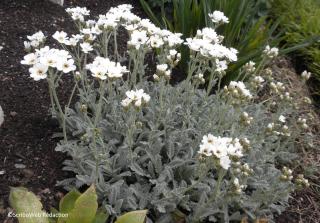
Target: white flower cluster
x,y
271,52
277,87
257,81
305,75
279,128
146,34
78,13
238,92
223,148
173,58
35,40
249,67
162,71
63,38
199,79
45,58
302,122
286,174
246,119
136,98
218,17
208,43
238,188
102,68
301,181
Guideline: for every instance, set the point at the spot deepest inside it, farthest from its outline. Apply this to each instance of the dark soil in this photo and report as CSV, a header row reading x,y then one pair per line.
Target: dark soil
x,y
26,135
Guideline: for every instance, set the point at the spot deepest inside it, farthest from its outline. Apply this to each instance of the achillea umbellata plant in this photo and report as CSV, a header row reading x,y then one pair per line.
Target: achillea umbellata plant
x,y
179,151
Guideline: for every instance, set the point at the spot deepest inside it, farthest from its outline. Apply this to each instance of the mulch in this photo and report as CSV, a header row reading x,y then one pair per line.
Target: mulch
x,y
27,154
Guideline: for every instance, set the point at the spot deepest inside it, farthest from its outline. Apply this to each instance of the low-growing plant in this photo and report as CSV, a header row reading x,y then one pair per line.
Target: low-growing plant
x,y
178,151
74,207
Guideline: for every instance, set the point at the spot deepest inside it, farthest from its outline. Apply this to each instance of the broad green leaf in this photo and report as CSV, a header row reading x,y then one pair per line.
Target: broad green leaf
x,y
85,207
67,203
133,217
24,201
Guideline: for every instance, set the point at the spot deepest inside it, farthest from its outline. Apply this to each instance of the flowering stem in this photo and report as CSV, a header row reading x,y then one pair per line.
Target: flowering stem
x,y
95,132
61,117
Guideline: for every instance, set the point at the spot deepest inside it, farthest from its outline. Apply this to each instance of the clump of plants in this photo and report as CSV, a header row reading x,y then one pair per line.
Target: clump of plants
x,y
179,151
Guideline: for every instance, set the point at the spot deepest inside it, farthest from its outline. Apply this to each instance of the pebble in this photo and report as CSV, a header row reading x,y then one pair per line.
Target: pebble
x,y
28,173
1,116
13,113
19,166
2,172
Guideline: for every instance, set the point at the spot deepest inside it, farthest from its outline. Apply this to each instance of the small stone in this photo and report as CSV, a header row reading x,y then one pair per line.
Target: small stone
x,y
28,173
1,116
2,172
45,191
19,166
60,2
13,113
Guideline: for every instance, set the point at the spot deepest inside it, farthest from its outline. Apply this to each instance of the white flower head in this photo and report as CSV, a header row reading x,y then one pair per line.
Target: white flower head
x,y
29,59
86,47
136,98
61,37
66,66
271,52
305,75
222,148
282,118
38,71
218,17
138,39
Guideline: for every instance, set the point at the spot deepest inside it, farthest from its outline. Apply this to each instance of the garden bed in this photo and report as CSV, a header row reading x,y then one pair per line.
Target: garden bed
x,y
26,137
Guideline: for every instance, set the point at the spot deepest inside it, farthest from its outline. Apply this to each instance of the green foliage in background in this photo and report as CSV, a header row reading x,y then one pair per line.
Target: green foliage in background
x,y
301,22
74,208
247,31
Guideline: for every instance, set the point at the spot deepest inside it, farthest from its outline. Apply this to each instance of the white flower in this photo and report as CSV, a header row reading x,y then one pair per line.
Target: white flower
x,y
156,41
282,119
221,148
38,71
218,17
102,68
271,52
238,90
221,66
138,39
27,45
86,47
61,37
305,75
162,68
250,67
78,13
209,34
225,162
136,98
29,59
35,40
66,66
